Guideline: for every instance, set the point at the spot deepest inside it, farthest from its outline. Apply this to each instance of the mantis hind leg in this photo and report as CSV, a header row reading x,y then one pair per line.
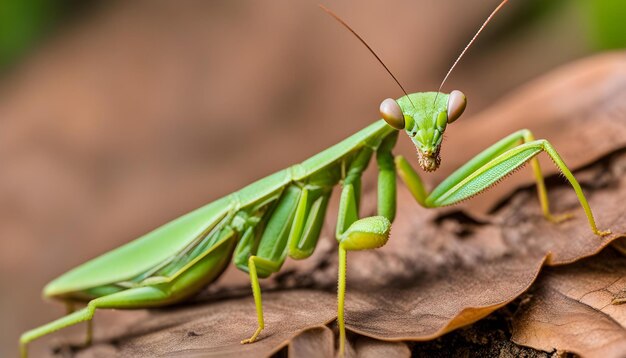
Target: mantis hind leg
x,y
70,307
131,298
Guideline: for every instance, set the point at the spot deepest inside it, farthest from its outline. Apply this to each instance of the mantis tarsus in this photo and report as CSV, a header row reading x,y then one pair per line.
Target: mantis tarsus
x,y
282,215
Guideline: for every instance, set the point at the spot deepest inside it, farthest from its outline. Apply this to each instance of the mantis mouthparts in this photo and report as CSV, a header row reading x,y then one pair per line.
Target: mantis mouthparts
x,y
429,161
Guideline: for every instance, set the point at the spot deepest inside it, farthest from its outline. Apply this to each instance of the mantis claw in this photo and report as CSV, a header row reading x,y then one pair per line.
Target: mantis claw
x,y
602,233
556,219
253,338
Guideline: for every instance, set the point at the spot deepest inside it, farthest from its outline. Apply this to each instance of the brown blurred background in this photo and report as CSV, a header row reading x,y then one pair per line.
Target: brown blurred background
x,y
116,117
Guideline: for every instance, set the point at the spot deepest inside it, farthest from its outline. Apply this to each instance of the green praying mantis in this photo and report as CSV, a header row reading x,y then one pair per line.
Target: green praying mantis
x,y
282,215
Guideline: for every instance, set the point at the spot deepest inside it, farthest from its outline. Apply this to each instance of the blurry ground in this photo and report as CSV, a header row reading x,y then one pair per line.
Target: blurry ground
x,y
139,112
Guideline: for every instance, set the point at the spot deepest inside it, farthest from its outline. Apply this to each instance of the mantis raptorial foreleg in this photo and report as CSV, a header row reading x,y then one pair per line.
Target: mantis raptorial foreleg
x,y
387,177
490,166
304,236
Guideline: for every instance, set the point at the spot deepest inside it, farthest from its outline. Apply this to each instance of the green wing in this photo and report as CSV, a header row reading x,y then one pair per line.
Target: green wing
x,y
162,244
140,255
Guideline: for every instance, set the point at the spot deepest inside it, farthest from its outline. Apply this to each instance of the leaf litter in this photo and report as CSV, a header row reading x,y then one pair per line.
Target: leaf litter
x,y
572,308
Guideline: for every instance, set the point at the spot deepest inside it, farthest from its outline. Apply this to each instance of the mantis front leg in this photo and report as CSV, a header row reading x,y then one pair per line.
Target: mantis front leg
x,y
490,166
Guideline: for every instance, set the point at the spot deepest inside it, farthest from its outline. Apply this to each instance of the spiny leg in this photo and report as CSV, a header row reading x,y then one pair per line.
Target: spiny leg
x,y
549,149
367,233
416,187
490,166
541,186
134,297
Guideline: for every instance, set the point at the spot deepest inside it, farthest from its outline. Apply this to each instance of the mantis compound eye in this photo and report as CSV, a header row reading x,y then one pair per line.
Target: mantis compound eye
x,y
456,105
392,113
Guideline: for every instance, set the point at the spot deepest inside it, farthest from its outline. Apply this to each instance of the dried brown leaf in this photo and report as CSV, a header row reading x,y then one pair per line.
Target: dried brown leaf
x,y
215,330
370,348
572,310
314,342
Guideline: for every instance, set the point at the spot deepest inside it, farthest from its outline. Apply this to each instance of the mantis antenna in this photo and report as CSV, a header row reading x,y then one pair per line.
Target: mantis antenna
x,y
469,45
336,17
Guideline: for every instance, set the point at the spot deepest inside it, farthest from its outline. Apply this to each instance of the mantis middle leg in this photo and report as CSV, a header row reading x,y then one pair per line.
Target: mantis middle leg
x,y
131,298
489,167
292,229
370,232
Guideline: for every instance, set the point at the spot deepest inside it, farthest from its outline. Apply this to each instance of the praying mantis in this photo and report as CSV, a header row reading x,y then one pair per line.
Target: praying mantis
x,y
282,215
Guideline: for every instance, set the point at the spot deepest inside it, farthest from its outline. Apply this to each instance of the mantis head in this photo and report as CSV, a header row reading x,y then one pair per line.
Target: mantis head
x,y
424,117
